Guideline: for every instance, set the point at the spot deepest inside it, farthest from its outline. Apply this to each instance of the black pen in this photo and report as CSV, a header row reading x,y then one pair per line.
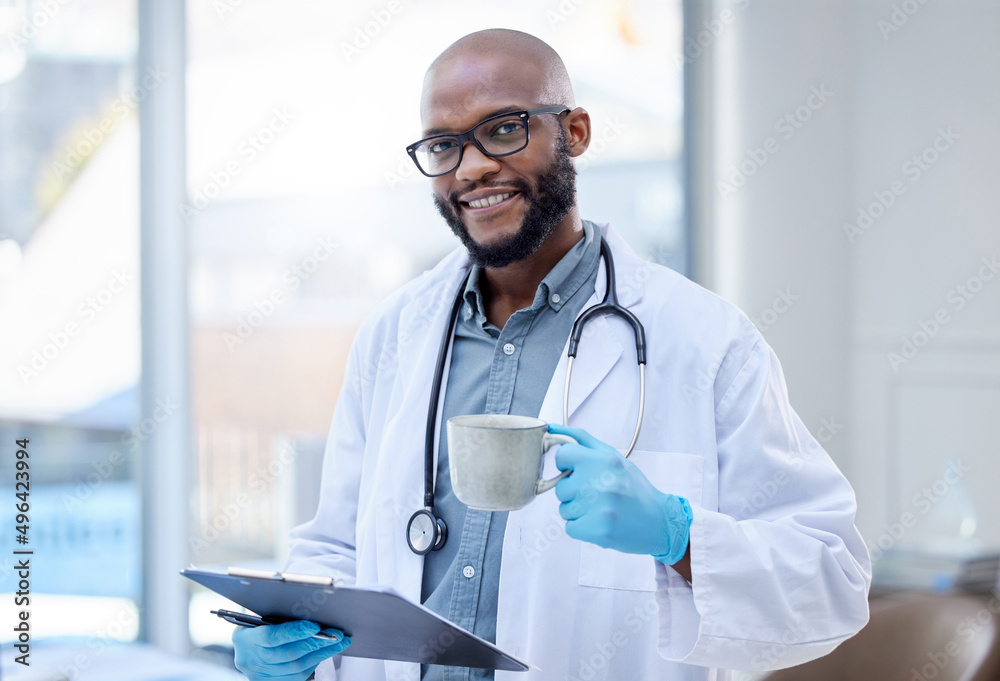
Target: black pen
x,y
245,620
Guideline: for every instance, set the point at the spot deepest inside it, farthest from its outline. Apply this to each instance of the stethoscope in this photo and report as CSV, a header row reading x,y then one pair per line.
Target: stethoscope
x,y
426,532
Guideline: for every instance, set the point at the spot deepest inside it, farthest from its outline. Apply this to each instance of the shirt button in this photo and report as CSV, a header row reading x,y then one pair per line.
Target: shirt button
x,y
467,312
469,571
556,298
508,349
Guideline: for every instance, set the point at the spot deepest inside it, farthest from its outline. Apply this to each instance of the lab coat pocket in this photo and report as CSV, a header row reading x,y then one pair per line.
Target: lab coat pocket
x,y
672,472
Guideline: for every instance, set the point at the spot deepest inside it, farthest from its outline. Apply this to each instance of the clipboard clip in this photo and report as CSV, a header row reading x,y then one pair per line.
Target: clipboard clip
x,y
314,580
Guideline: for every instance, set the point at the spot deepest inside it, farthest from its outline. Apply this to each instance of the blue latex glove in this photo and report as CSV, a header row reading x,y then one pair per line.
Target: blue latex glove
x,y
608,501
284,651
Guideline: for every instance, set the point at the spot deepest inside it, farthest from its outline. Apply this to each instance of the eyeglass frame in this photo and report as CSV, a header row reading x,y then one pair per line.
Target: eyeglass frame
x,y
470,136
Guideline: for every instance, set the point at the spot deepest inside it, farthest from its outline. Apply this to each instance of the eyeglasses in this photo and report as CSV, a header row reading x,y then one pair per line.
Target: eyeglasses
x,y
500,135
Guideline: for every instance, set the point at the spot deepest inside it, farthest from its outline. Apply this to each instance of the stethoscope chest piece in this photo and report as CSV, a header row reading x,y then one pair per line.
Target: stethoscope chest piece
x,y
425,532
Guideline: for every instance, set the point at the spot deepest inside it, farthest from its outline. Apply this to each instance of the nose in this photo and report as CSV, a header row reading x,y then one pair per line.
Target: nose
x,y
475,164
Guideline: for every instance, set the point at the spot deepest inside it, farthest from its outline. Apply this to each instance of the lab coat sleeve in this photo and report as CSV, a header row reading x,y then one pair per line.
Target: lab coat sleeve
x,y
326,544
780,574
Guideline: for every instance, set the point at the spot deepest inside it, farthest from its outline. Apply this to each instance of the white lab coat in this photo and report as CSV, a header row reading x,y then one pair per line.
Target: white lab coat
x,y
780,574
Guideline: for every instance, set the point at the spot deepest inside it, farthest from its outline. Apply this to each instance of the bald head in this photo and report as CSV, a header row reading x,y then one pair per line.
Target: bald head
x,y
531,219
496,62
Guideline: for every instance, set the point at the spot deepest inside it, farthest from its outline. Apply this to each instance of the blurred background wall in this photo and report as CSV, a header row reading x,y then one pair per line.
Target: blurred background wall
x,y
865,239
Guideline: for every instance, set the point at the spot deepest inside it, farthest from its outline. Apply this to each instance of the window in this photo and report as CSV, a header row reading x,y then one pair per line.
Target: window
x,y
69,310
291,246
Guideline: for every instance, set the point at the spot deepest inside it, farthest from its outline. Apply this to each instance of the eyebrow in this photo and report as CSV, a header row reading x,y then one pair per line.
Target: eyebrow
x,y
496,112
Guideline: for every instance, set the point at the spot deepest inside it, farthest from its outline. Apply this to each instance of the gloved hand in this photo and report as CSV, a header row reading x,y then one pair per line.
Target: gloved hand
x,y
608,501
284,651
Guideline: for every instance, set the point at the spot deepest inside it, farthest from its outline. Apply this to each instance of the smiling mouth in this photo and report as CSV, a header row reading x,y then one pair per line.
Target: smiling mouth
x,y
489,201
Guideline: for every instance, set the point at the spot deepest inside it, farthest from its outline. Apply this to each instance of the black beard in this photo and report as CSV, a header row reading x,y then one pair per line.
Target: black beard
x,y
547,206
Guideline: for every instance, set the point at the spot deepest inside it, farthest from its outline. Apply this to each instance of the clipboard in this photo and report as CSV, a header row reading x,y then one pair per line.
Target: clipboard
x,y
381,623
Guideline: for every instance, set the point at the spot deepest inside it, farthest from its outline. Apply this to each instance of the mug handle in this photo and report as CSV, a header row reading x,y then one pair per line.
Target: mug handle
x,y
550,440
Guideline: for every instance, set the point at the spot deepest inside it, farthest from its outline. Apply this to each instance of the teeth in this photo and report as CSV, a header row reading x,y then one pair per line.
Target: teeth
x,y
490,200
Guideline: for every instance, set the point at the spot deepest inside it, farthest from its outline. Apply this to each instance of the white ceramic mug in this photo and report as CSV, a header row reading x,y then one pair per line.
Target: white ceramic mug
x,y
496,459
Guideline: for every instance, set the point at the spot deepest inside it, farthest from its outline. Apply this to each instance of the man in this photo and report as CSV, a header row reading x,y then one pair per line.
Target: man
x,y
726,540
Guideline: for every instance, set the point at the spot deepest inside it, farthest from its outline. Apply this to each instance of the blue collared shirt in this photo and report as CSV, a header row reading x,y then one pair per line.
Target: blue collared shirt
x,y
496,371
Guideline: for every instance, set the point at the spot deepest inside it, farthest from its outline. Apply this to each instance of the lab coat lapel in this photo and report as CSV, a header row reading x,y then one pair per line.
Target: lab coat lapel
x,y
600,346
599,350
422,323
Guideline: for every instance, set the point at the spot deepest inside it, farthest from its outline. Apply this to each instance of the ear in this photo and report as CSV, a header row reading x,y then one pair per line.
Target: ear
x,y
578,127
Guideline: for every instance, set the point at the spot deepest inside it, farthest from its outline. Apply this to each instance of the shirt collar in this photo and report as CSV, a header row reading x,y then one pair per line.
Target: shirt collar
x,y
558,286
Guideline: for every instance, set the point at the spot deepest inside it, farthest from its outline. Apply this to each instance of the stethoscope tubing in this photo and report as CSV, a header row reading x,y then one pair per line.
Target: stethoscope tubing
x,y
609,305
642,401
436,396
